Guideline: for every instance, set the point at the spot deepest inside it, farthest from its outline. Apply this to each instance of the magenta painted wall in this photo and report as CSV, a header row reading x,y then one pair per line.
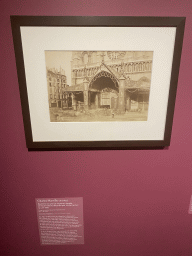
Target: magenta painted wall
x,y
135,202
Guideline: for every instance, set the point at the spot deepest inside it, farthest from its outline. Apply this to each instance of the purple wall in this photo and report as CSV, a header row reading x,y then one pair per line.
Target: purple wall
x,y
135,202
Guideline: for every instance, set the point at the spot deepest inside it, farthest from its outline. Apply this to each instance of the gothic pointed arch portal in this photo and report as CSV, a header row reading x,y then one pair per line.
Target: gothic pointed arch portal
x,y
104,80
103,90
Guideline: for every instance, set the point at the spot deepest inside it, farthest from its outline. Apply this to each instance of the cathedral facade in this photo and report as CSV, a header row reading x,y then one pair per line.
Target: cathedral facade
x,y
111,79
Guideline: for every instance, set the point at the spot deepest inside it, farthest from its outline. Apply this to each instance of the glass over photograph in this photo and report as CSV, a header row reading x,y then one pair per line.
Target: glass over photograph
x,y
98,86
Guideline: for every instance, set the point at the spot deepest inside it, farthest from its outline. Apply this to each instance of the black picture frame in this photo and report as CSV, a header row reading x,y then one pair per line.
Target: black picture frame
x,y
101,21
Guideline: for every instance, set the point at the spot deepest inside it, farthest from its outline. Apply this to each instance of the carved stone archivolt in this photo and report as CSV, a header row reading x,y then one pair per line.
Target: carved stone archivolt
x,y
104,74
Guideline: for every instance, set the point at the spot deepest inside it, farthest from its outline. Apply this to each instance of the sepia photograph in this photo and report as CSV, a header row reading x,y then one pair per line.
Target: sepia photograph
x,y
98,86
81,87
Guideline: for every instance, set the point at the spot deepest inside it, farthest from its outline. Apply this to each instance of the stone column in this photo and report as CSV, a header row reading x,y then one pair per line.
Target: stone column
x,y
85,93
74,103
143,103
89,99
122,94
128,102
96,101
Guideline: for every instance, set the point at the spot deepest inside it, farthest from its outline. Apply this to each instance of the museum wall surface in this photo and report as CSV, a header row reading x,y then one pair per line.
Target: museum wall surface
x,y
134,202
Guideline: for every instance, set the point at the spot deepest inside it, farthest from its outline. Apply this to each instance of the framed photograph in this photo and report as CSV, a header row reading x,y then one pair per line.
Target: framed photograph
x,y
97,82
